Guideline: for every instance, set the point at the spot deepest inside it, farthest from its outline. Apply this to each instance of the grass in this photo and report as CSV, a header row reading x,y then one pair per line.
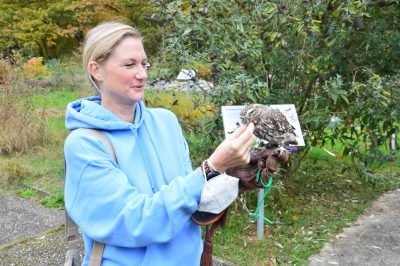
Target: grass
x,y
57,99
305,217
307,213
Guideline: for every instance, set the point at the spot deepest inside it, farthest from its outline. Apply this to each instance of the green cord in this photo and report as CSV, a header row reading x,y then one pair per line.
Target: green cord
x,y
267,190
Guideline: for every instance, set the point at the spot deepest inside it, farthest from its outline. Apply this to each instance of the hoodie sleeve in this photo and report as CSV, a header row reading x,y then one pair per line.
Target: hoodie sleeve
x,y
99,198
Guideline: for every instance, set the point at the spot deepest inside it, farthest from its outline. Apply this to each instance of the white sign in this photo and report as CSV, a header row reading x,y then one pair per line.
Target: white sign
x,y
231,119
186,74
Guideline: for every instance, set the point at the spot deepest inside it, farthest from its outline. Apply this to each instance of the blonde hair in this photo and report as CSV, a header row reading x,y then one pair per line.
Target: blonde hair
x,y
100,43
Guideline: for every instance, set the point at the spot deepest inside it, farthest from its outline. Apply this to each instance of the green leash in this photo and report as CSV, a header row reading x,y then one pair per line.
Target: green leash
x,y
267,188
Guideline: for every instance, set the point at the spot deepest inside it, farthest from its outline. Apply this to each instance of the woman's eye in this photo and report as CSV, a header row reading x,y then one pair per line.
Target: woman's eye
x,y
144,65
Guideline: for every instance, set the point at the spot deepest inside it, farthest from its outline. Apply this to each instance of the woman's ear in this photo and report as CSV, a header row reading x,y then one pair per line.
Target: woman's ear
x,y
94,70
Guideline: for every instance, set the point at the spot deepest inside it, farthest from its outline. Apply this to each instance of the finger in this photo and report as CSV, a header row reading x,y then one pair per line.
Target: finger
x,y
247,134
245,148
249,142
237,132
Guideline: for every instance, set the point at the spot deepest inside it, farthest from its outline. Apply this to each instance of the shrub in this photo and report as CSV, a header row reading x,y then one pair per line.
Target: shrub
x,y
329,58
54,201
29,193
35,69
22,126
14,172
3,72
191,116
56,67
181,103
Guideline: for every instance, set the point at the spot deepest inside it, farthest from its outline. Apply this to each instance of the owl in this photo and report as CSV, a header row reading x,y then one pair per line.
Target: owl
x,y
269,125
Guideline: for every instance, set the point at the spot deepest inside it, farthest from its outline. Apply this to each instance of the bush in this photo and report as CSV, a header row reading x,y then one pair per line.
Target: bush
x,y
332,58
23,126
35,69
29,193
181,103
54,202
15,171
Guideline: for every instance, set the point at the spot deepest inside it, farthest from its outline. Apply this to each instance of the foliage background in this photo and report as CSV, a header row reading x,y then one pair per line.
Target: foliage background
x,y
50,29
330,58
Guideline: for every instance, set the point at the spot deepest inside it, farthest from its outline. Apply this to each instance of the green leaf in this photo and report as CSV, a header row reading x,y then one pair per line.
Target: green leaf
x,y
274,35
330,41
344,98
187,31
270,10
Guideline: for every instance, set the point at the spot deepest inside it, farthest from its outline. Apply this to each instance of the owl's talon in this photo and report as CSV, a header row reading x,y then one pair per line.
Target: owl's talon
x,y
283,155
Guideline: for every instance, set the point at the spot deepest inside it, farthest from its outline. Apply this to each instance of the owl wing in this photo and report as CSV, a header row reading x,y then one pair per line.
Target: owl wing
x,y
270,125
275,127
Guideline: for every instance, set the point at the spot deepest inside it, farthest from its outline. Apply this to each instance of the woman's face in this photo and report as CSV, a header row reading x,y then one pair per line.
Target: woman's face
x,y
124,74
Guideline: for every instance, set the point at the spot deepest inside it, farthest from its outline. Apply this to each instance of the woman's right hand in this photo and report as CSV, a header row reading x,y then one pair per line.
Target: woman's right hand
x,y
234,150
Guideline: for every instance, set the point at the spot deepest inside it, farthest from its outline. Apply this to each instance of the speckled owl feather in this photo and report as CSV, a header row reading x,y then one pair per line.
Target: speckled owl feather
x,y
270,125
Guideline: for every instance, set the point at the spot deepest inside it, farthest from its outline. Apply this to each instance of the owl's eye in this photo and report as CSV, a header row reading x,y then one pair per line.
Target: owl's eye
x,y
250,112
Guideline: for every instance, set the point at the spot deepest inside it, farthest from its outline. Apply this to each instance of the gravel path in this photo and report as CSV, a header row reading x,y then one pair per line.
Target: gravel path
x,y
20,218
29,233
373,239
46,248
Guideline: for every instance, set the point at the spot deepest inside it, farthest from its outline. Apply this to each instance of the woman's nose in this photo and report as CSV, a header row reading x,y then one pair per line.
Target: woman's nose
x,y
141,73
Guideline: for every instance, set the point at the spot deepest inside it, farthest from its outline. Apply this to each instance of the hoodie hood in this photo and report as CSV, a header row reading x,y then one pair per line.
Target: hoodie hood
x,y
88,113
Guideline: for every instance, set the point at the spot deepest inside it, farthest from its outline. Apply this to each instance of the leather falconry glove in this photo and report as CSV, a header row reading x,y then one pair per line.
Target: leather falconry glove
x,y
261,159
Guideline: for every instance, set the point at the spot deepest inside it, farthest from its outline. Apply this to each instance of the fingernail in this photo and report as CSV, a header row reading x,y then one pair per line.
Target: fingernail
x,y
251,126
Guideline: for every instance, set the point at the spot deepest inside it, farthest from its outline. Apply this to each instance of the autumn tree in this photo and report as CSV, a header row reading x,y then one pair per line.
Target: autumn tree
x,y
52,28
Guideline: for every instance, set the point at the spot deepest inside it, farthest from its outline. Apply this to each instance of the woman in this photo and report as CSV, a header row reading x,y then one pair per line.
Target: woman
x,y
140,204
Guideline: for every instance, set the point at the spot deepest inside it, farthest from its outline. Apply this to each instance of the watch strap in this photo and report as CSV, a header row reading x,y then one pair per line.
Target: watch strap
x,y
208,171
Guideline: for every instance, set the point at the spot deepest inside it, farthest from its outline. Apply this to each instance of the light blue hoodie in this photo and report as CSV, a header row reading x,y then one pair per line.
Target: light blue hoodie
x,y
141,206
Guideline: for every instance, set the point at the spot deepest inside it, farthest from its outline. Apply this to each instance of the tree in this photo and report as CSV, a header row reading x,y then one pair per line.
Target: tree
x,y
51,28
329,58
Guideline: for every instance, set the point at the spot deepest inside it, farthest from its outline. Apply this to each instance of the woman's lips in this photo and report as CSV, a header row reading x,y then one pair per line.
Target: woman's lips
x,y
138,87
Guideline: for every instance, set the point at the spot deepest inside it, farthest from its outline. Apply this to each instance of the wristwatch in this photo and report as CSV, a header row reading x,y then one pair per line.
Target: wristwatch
x,y
208,171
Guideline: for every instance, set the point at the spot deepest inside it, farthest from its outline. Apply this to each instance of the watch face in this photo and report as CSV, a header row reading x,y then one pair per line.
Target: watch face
x,y
212,174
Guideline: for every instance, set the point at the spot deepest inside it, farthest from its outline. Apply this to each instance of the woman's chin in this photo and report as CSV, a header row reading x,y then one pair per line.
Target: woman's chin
x,y
136,97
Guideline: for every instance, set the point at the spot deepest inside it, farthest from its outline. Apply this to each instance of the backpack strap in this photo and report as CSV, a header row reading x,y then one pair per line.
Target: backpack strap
x,y
72,256
99,134
72,230
97,254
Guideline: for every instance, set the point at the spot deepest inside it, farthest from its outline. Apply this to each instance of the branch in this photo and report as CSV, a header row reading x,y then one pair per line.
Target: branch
x,y
112,8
